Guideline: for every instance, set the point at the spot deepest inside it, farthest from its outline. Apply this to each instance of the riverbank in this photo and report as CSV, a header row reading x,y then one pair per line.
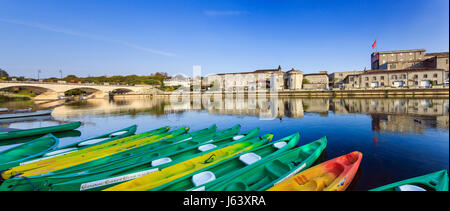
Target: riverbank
x,y
5,98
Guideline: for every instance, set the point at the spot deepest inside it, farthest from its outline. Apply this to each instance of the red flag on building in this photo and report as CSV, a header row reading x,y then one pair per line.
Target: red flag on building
x,y
374,44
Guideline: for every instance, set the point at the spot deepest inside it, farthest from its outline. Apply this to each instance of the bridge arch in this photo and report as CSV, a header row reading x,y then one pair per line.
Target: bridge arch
x,y
120,91
83,91
37,90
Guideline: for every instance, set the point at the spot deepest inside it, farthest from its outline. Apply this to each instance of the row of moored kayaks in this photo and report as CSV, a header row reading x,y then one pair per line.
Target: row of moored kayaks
x,y
179,160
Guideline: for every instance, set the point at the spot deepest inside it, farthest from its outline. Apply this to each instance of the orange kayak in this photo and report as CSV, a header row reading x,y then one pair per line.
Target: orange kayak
x,y
332,175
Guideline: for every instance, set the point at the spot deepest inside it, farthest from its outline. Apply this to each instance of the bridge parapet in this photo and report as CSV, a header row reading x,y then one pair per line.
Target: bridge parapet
x,y
60,88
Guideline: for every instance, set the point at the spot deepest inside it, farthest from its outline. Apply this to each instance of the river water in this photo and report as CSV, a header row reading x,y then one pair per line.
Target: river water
x,y
399,138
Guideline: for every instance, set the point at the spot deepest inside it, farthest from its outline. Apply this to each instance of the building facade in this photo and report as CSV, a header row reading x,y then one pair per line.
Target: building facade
x,y
271,79
397,60
336,79
412,78
178,80
293,80
404,68
316,80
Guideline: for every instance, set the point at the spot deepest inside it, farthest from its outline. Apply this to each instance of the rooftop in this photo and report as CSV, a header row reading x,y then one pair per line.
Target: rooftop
x,y
401,70
438,54
400,51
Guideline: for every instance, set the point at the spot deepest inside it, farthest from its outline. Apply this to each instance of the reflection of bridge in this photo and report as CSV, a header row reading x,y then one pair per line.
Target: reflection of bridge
x,y
53,90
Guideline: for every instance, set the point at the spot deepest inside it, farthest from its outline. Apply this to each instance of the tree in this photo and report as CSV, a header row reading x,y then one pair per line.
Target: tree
x,y
3,74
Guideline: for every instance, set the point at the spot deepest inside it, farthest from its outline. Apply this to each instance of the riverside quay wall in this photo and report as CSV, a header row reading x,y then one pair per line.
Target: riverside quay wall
x,y
355,93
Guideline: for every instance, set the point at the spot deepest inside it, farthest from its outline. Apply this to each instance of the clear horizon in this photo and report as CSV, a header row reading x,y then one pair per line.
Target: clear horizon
x,y
95,38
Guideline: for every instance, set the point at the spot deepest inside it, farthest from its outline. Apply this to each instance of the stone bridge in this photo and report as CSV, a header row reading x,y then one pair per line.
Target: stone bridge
x,y
48,91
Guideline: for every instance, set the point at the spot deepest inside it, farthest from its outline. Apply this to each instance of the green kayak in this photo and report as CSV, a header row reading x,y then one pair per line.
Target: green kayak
x,y
107,176
85,144
437,181
13,156
91,153
38,131
271,171
219,172
132,160
155,148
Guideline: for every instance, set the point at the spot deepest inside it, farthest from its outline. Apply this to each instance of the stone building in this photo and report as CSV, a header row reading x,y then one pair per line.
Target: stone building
x,y
436,60
409,59
404,68
293,80
337,78
396,60
178,80
412,78
315,80
271,79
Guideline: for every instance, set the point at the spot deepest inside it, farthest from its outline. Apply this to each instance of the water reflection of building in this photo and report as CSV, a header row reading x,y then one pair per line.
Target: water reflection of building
x,y
402,115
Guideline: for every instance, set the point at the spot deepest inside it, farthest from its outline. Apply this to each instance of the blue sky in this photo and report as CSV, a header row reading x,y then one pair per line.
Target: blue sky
x,y
115,37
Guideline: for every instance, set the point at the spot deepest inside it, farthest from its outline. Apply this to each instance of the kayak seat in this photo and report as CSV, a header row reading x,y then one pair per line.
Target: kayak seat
x,y
280,144
277,168
410,188
161,161
238,137
249,158
206,147
203,178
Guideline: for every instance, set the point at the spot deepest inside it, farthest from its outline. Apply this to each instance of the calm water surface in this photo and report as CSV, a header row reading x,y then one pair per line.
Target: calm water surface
x,y
399,138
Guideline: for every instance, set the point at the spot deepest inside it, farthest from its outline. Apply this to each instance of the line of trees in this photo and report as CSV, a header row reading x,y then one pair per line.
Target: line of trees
x,y
153,79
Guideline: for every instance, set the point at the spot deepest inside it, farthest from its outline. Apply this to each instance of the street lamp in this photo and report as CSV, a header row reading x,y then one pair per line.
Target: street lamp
x,y
39,71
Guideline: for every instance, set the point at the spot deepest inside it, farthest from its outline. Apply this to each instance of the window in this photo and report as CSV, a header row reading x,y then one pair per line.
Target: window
x,y
435,82
425,76
404,76
374,78
340,74
416,76
367,78
367,84
394,76
393,66
382,83
416,83
435,75
382,77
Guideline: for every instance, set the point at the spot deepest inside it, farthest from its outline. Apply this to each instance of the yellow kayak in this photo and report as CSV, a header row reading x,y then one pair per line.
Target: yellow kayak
x,y
82,156
333,175
176,171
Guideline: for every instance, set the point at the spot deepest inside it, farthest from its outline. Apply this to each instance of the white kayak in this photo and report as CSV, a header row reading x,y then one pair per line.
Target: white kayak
x,y
19,114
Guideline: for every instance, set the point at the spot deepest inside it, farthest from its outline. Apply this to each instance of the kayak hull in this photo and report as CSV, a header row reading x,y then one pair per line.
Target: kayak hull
x,y
271,171
39,131
173,172
332,175
437,181
26,114
133,161
220,171
90,153
13,156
